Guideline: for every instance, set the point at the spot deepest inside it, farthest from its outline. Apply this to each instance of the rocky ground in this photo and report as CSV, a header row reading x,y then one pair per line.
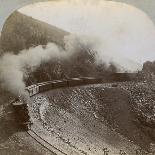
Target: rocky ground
x,y
86,119
103,110
143,105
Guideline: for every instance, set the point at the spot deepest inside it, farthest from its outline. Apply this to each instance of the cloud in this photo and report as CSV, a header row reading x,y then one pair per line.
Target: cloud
x,y
126,32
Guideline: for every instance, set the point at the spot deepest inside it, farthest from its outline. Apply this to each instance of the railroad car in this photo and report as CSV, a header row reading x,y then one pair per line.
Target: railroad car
x,y
59,83
45,86
91,80
33,89
120,77
114,85
75,82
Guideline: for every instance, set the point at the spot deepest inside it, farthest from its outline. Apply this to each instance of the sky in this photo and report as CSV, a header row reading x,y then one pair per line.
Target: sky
x,y
148,6
122,30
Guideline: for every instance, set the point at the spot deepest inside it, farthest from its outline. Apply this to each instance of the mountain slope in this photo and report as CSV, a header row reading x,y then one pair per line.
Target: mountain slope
x,y
22,32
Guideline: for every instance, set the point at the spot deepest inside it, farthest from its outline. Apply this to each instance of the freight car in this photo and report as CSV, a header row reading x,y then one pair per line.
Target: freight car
x,y
45,86
59,83
91,80
121,77
33,89
75,82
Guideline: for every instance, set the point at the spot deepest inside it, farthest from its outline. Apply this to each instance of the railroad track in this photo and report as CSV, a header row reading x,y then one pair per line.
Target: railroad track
x,y
44,143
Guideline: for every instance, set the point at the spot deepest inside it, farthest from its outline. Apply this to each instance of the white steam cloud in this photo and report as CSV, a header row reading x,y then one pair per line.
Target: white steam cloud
x,y
126,33
118,32
13,68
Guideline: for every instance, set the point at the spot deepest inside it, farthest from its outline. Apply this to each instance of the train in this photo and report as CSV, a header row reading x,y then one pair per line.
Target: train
x,y
21,107
72,82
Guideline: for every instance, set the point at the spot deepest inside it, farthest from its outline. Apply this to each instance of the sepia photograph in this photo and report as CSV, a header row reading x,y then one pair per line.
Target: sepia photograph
x,y
77,77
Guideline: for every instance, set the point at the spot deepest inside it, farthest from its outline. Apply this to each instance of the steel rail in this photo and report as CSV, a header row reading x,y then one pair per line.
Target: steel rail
x,y
44,143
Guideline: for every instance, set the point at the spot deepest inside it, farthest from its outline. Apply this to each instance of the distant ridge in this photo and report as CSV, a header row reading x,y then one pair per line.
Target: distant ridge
x,y
22,32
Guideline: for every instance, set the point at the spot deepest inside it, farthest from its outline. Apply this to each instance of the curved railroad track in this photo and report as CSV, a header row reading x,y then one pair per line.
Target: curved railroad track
x,y
45,144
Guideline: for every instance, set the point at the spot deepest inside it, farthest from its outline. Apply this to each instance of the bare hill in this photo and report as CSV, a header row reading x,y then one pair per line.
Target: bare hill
x,y
21,32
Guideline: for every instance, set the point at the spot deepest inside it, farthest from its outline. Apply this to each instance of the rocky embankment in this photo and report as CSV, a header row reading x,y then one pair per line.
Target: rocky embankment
x,y
87,119
103,110
143,105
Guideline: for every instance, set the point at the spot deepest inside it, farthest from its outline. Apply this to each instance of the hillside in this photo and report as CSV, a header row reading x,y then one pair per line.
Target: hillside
x,y
79,116
97,113
22,32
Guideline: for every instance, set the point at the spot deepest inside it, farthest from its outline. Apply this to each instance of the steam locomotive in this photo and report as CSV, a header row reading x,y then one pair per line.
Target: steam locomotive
x,y
21,113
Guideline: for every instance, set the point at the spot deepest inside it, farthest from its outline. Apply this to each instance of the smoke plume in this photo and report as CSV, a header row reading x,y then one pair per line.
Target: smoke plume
x,y
14,69
127,34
